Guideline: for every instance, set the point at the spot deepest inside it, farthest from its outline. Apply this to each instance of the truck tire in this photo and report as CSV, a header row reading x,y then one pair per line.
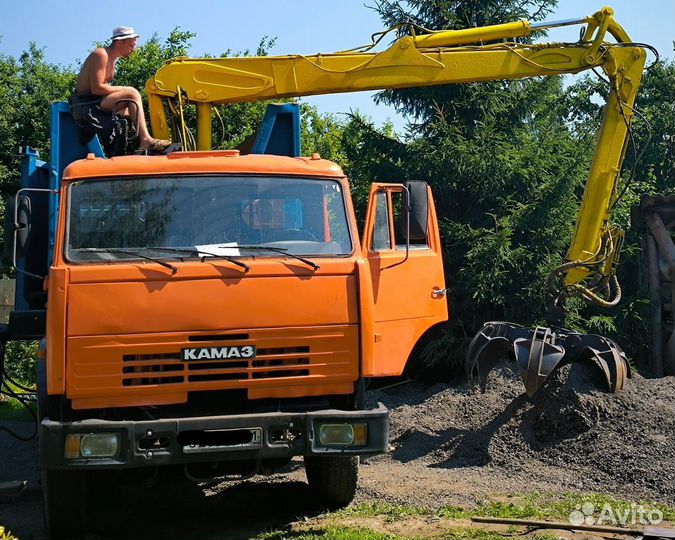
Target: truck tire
x,y
333,478
63,495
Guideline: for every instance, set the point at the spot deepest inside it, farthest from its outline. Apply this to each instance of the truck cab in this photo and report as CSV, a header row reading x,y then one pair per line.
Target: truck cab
x,y
220,312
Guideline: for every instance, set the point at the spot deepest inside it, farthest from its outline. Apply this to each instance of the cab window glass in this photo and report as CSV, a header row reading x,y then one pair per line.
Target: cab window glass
x,y
381,232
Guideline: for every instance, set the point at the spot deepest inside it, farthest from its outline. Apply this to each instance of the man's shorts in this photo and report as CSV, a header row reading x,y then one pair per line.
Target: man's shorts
x,y
88,114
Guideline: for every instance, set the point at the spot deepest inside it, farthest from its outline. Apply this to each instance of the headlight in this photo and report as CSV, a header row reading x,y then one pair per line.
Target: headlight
x,y
343,434
91,445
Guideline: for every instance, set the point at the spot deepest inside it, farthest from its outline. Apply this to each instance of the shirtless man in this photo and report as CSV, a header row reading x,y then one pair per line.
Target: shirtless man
x,y
94,82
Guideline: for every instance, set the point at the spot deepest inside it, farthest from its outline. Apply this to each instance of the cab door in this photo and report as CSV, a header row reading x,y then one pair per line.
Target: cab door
x,y
402,247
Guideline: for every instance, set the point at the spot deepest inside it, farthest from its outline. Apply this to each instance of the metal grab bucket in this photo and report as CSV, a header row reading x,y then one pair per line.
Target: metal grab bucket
x,y
539,352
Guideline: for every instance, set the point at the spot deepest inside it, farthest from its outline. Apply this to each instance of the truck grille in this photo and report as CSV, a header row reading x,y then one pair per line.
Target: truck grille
x,y
168,368
119,370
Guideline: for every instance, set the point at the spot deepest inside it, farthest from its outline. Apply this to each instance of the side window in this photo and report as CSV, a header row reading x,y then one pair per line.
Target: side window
x,y
391,227
381,232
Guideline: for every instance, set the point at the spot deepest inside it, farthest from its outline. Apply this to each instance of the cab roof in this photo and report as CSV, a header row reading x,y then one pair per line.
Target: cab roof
x,y
209,162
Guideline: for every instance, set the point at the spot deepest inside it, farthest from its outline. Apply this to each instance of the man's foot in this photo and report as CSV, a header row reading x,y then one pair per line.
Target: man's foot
x,y
156,145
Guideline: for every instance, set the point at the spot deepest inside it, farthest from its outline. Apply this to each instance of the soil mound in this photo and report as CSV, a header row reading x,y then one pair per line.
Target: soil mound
x,y
621,443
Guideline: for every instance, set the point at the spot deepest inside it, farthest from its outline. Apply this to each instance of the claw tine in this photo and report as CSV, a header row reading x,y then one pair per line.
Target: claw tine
x,y
611,360
484,358
537,358
488,347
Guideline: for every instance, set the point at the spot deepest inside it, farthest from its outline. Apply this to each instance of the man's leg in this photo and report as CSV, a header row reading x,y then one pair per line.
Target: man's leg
x,y
127,92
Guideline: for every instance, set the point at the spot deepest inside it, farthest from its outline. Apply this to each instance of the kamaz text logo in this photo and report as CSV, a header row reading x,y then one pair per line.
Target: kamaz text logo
x,y
218,353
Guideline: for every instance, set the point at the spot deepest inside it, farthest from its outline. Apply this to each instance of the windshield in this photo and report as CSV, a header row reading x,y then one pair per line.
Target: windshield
x,y
205,216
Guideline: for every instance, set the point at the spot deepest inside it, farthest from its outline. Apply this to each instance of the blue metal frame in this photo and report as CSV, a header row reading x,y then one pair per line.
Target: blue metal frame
x,y
279,132
34,173
66,147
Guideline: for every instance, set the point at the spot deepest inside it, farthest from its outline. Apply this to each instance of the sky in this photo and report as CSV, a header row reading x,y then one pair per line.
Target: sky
x,y
308,27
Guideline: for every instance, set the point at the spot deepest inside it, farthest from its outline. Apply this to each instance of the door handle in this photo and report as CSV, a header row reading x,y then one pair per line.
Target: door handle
x,y
438,293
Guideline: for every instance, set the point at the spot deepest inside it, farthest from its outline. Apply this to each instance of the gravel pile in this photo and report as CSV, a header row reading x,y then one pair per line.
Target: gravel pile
x,y
622,443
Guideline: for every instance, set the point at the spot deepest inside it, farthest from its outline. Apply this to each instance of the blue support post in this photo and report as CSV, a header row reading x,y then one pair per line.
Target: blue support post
x,y
35,174
279,133
66,147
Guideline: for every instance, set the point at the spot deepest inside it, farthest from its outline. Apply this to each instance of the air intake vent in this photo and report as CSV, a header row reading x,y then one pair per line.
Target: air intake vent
x,y
169,368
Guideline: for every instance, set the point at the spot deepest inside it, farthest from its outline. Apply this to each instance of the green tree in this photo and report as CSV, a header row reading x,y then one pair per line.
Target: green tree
x,y
465,102
507,167
507,162
649,168
28,85
652,158
372,154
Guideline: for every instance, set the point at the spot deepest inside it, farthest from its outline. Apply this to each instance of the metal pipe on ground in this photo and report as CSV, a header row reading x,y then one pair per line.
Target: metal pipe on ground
x,y
644,532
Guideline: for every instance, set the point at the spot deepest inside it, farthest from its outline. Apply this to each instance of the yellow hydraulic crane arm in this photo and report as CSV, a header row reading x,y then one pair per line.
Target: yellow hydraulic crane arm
x,y
443,57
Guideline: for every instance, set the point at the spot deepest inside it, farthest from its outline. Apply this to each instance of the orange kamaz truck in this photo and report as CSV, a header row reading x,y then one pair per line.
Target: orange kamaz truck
x,y
221,312
212,310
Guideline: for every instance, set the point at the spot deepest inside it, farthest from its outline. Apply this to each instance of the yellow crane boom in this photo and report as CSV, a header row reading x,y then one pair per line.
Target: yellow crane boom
x,y
443,57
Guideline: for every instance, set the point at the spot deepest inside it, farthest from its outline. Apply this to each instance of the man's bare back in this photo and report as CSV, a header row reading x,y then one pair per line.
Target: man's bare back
x,y
91,66
98,71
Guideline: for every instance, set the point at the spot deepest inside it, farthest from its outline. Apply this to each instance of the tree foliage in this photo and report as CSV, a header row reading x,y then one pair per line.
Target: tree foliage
x,y
504,165
28,85
467,103
150,56
506,161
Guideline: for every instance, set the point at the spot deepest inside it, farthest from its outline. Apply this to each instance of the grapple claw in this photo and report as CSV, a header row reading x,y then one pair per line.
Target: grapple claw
x,y
539,352
537,358
603,353
489,347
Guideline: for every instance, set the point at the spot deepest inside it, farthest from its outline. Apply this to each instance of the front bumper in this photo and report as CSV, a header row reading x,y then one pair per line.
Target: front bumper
x,y
214,438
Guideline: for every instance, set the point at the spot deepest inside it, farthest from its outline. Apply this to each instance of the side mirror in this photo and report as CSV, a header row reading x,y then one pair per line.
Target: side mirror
x,y
17,227
414,223
22,225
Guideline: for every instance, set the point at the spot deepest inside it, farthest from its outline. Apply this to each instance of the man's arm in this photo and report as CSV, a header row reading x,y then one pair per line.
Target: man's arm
x,y
98,63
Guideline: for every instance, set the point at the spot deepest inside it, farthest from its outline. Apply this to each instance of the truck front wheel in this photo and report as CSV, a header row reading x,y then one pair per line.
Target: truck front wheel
x,y
333,478
64,502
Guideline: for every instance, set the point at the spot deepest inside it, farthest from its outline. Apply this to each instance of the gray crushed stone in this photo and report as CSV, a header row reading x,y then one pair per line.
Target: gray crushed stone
x,y
622,444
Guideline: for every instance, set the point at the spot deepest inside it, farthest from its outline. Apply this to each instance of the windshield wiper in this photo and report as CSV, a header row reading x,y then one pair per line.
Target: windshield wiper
x,y
133,253
283,251
198,252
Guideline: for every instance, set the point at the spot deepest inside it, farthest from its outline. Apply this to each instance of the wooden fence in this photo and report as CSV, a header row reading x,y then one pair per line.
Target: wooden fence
x,y
7,287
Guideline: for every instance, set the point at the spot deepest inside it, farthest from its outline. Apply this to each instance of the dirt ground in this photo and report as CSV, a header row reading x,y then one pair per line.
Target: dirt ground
x,y
450,445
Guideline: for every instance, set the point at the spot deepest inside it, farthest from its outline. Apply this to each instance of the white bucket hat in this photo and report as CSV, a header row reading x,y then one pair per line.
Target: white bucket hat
x,y
123,32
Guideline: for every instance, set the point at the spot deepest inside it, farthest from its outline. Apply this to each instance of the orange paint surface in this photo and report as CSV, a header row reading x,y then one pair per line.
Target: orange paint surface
x,y
116,329
211,162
